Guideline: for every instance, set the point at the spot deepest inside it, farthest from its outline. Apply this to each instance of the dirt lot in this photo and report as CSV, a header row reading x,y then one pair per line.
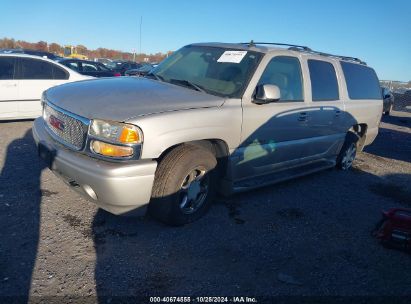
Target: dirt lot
x,y
310,236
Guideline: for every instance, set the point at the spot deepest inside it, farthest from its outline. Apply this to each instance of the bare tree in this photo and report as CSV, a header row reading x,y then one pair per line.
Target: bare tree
x,y
10,43
55,48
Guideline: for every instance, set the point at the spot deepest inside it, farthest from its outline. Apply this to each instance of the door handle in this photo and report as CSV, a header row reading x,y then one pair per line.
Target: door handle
x,y
303,116
10,85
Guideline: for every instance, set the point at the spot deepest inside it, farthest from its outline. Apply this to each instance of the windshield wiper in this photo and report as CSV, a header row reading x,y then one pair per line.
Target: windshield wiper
x,y
155,76
189,84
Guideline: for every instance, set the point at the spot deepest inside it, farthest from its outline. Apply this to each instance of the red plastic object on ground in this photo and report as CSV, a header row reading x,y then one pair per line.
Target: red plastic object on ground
x,y
394,230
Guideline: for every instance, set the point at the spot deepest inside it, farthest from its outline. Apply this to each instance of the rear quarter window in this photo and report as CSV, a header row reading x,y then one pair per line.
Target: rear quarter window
x,y
7,68
59,73
362,81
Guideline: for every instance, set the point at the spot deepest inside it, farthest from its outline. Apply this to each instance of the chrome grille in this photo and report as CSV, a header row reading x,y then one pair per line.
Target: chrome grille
x,y
68,129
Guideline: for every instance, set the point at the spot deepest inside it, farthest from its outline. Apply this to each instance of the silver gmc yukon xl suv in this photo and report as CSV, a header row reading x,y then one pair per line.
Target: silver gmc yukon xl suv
x,y
212,117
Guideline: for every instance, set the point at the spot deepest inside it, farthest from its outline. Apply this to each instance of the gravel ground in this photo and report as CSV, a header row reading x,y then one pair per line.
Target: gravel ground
x,y
309,236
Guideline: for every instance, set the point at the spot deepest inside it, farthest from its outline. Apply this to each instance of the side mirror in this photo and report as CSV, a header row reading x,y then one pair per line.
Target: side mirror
x,y
386,96
267,93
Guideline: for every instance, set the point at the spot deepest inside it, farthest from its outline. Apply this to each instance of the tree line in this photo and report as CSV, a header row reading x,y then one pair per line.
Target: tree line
x,y
55,48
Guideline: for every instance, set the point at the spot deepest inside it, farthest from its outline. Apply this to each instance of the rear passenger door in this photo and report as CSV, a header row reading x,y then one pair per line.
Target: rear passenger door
x,y
36,76
8,88
326,109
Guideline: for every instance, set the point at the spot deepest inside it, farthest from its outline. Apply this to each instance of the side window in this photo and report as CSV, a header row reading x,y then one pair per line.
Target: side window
x,y
285,72
88,67
102,67
72,65
362,81
59,73
7,68
35,69
324,84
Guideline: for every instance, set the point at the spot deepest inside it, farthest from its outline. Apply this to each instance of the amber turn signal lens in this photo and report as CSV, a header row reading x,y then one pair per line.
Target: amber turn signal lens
x,y
110,150
129,136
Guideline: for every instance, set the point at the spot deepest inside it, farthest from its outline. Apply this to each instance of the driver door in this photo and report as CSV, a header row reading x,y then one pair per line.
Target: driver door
x,y
274,134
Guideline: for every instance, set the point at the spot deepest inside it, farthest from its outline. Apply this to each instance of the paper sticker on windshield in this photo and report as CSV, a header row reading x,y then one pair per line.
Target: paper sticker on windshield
x,y
232,56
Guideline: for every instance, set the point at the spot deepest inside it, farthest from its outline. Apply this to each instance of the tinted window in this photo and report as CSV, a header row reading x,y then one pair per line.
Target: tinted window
x,y
362,82
36,69
102,67
7,68
324,85
285,72
89,67
72,65
59,73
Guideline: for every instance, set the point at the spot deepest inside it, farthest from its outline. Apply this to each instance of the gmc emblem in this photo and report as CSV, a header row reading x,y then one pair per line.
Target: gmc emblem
x,y
56,123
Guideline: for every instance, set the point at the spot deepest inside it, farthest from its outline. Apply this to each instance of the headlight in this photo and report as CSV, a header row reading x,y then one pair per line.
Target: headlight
x,y
116,132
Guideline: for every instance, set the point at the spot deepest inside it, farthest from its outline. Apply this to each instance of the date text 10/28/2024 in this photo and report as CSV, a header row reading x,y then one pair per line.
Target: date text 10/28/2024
x,y
203,300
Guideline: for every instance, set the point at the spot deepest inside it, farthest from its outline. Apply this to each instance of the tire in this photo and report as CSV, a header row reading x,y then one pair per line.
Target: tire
x,y
388,111
184,185
348,152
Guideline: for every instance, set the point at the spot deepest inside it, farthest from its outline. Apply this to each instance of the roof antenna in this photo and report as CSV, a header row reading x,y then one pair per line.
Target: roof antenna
x,y
251,43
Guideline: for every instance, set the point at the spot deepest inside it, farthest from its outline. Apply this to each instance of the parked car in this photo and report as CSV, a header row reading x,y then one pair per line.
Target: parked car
x,y
142,71
90,68
31,52
122,66
23,78
400,91
107,62
212,117
388,100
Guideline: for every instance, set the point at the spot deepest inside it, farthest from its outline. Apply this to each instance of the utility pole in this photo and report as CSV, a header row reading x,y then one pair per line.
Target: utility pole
x,y
141,23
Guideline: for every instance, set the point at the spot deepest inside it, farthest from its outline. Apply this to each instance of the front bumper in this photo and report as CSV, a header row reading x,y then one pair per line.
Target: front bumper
x,y
113,186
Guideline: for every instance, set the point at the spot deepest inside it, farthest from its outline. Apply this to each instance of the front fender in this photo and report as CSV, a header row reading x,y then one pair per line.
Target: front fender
x,y
165,130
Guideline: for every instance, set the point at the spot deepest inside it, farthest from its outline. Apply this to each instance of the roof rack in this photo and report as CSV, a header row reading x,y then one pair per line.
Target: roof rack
x,y
301,48
347,58
292,46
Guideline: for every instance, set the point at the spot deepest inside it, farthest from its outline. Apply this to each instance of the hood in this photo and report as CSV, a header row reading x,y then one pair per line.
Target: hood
x,y
122,98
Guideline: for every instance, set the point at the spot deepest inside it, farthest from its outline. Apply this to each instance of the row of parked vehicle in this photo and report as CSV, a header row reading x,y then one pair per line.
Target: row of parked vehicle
x,y
100,67
112,69
25,75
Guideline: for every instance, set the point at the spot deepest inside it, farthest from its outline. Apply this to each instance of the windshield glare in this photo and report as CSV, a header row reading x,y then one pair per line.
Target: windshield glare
x,y
210,68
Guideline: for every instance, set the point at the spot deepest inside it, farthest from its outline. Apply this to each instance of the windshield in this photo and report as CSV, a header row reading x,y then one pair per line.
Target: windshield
x,y
110,65
102,67
218,71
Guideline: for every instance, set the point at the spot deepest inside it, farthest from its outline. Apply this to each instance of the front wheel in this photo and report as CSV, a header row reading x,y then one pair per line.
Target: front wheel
x,y
184,185
348,152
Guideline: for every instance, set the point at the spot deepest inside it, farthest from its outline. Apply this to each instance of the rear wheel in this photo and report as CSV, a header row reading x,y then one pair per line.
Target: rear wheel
x,y
388,111
184,185
348,152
